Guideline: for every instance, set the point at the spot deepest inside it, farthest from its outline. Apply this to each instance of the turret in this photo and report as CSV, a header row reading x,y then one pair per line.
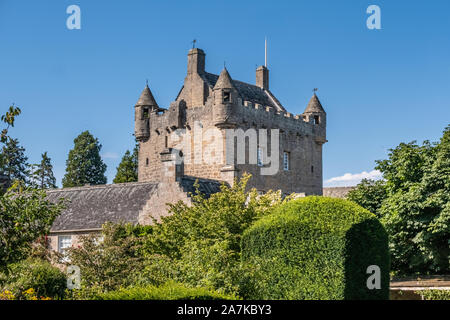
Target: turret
x,y
315,114
225,96
144,107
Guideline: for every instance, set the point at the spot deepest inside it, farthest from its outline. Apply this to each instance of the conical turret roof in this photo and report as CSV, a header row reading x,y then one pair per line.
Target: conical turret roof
x,y
224,81
314,105
146,98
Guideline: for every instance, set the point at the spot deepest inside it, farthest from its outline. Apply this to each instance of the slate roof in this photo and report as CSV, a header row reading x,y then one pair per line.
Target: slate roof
x,y
88,208
314,105
146,98
249,92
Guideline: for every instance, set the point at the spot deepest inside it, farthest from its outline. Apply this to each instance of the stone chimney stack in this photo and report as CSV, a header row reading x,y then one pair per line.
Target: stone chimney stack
x,y
262,77
196,61
173,165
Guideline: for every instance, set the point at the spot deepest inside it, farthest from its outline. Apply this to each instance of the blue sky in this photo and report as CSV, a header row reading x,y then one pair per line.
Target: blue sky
x,y
379,87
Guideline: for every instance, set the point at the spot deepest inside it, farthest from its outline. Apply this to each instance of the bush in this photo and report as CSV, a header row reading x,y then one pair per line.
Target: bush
x,y
316,248
168,291
41,277
435,294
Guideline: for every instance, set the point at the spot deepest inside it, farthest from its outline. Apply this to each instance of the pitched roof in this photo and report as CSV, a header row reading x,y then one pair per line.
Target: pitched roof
x,y
248,92
90,207
224,81
314,105
146,98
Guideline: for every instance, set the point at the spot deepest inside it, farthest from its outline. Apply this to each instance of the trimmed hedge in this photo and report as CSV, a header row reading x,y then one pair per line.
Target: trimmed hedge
x,y
168,291
435,294
316,248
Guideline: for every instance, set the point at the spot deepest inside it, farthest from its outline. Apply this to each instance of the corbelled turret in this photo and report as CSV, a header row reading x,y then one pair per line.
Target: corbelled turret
x,y
225,96
314,113
145,105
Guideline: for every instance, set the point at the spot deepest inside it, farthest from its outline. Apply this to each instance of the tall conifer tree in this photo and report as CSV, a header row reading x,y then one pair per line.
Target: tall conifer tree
x,y
84,164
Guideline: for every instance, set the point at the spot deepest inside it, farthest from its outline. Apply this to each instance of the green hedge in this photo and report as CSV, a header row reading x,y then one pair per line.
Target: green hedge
x,y
45,279
168,291
316,248
435,294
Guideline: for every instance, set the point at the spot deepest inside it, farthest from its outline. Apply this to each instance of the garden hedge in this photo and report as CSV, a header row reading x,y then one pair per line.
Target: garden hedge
x,y
316,248
168,291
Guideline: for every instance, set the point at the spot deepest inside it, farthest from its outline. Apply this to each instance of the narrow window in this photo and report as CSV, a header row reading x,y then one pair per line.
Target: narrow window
x,y
226,96
286,161
64,243
312,169
260,157
166,142
145,113
146,161
316,120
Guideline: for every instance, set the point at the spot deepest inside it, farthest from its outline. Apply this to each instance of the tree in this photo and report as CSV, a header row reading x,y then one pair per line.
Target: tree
x,y
416,212
200,245
84,164
13,161
25,214
127,171
369,194
42,174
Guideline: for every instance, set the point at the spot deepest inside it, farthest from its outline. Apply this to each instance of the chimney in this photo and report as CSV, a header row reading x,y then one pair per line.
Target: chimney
x,y
173,165
196,61
262,77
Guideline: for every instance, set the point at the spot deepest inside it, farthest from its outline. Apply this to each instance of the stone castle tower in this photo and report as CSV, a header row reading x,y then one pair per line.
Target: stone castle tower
x,y
208,110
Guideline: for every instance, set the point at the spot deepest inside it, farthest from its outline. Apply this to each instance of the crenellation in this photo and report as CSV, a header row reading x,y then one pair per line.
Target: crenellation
x,y
208,102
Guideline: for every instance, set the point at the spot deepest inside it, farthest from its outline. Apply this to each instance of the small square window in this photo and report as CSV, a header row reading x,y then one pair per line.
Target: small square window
x,y
286,161
316,120
226,96
145,113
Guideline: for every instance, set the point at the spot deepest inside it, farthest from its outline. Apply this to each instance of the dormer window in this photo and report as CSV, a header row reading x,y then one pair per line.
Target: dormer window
x,y
226,96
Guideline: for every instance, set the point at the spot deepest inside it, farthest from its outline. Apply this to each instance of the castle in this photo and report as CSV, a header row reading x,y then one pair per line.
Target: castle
x,y
216,130
219,103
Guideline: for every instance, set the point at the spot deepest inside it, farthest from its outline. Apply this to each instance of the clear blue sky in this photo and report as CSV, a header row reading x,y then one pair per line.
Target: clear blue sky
x,y
379,87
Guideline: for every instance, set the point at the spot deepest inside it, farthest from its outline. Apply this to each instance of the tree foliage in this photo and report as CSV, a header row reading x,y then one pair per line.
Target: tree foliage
x,y
417,210
42,176
369,194
25,213
200,245
84,164
13,162
127,171
416,207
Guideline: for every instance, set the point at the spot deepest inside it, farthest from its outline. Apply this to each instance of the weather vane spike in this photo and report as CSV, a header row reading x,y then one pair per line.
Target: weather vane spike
x,y
315,90
146,82
193,43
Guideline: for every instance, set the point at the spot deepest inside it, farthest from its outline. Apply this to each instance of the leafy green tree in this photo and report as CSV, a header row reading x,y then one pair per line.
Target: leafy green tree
x,y
42,174
369,194
25,214
200,245
416,213
13,161
84,164
127,171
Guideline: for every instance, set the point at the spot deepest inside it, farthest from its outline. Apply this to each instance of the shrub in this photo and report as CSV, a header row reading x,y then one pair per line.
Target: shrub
x,y
435,294
112,260
168,291
316,248
43,279
200,244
